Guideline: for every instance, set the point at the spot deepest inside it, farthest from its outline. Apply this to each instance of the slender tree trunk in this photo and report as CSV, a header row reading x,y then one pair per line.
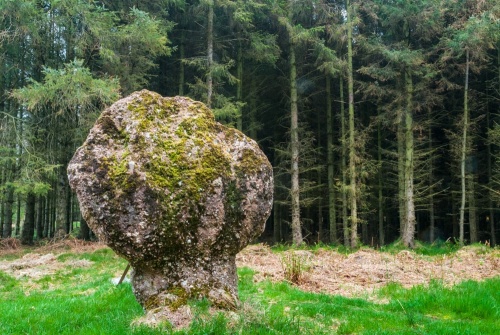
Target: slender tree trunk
x,y
46,217
492,211
345,205
408,235
69,210
401,175
277,229
294,131
17,231
332,215
239,88
432,225
2,217
182,56
39,218
472,209
381,232
9,204
253,109
490,201
61,217
29,220
210,52
461,222
319,119
352,146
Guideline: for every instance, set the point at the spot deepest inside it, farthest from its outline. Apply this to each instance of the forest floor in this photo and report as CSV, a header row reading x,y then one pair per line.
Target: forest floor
x,y
362,273
356,274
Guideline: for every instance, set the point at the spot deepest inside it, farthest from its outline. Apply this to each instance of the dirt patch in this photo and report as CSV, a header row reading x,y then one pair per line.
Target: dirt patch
x,y
36,266
365,271
12,247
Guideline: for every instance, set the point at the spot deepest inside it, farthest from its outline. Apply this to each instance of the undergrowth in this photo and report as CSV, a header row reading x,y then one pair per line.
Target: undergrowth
x,y
84,301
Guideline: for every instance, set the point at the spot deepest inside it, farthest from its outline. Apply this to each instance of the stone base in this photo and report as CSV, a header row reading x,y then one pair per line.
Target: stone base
x,y
178,283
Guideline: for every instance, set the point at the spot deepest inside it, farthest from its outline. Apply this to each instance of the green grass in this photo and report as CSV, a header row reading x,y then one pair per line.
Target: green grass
x,y
84,301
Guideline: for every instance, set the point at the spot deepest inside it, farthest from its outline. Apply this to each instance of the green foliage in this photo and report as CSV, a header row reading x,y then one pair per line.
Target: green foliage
x,y
437,248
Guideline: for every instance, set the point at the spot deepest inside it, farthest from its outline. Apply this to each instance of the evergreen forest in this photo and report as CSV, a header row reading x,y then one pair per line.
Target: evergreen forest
x,y
380,117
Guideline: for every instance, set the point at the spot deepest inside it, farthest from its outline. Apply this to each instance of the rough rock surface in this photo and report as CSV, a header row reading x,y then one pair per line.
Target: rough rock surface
x,y
175,193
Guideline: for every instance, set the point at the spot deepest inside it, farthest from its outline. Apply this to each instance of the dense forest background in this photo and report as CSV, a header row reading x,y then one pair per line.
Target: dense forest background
x,y
379,117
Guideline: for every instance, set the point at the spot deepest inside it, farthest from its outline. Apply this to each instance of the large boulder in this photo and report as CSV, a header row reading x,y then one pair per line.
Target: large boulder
x,y
175,193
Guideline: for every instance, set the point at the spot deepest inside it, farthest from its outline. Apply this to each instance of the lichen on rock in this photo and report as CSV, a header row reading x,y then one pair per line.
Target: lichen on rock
x,y
175,193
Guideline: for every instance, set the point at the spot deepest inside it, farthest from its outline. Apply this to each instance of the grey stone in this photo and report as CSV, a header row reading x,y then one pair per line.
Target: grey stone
x,y
175,193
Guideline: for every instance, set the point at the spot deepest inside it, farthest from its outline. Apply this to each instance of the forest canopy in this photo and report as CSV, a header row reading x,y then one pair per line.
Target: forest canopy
x,y
381,118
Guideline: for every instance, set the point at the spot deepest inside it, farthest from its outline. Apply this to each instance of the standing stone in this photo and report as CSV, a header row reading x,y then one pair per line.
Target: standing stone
x,y
175,193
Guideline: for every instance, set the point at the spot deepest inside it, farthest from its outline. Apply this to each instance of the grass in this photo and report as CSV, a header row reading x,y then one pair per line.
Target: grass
x,y
82,300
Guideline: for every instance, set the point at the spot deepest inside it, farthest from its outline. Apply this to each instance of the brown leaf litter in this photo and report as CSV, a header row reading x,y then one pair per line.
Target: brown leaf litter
x,y
363,272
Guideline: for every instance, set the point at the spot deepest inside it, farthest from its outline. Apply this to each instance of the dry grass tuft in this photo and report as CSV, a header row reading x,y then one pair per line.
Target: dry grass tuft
x,y
9,244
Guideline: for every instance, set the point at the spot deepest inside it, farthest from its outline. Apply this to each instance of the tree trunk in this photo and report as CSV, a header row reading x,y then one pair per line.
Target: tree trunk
x,y
472,210
29,220
2,217
464,151
381,232
332,215
61,217
491,215
210,52
408,235
401,175
352,146
9,204
46,216
181,63
294,132
432,225
39,218
319,119
343,189
239,88
17,231
252,131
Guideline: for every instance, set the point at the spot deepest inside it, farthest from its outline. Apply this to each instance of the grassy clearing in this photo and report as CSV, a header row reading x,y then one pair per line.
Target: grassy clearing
x,y
82,300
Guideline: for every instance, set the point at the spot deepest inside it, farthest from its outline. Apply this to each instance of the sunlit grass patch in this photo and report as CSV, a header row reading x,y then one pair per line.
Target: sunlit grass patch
x,y
82,300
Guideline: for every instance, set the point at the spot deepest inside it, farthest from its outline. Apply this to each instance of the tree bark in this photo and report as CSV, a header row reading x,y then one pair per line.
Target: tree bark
x,y
381,232
253,109
29,220
181,63
17,231
352,146
401,175
432,225
39,218
408,235
239,88
332,215
61,217
472,210
294,147
210,52
9,204
491,215
343,189
463,153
